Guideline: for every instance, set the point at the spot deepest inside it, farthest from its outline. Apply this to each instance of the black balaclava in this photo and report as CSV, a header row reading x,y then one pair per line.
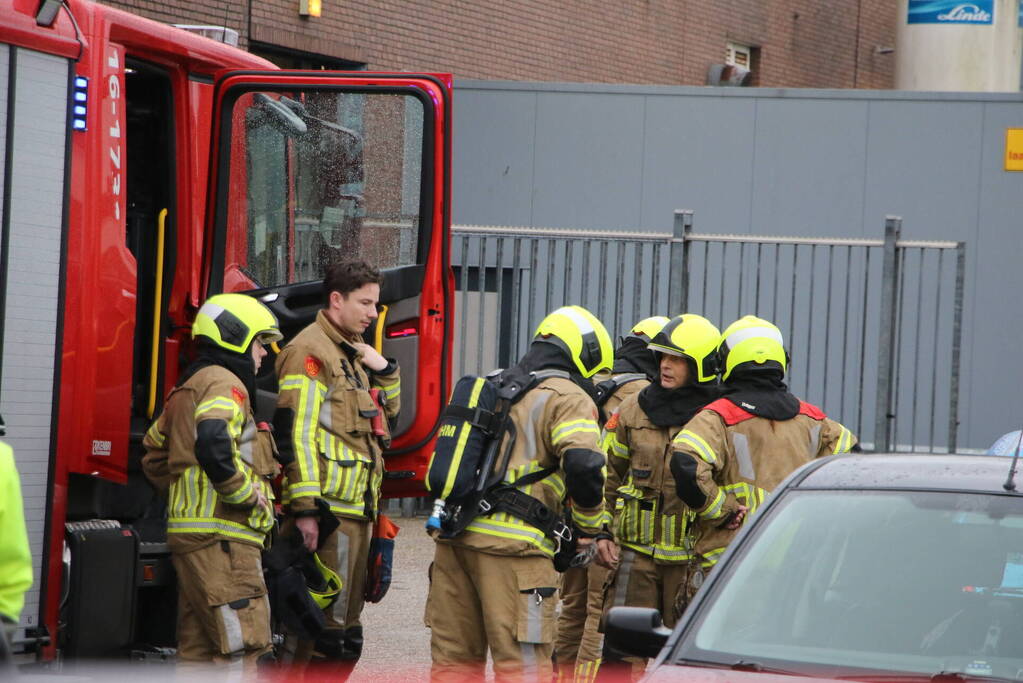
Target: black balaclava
x,y
675,407
545,355
241,364
759,389
634,356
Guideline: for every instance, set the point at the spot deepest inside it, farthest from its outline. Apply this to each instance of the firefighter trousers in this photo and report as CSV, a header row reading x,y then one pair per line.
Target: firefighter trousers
x,y
480,601
579,642
339,647
223,612
641,582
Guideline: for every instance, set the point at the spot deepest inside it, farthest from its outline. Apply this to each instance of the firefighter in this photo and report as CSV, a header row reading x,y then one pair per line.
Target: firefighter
x,y
494,585
651,522
739,448
335,391
206,449
582,588
15,559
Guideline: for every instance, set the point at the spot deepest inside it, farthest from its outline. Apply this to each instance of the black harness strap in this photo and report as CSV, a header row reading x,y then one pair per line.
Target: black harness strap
x,y
509,499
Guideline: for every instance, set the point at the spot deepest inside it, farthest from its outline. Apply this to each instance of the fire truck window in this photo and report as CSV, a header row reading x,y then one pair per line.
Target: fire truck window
x,y
318,177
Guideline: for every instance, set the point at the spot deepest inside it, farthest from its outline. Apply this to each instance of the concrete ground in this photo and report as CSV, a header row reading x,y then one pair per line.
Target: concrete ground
x,y
397,644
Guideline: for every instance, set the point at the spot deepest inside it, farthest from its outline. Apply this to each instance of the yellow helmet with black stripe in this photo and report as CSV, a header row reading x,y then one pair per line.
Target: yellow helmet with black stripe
x,y
694,337
329,584
751,340
578,333
232,321
647,328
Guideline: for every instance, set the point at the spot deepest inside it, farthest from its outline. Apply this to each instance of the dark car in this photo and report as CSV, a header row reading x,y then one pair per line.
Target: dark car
x,y
861,567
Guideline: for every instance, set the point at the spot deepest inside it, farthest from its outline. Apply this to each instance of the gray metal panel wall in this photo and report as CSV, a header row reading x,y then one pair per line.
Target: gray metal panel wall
x,y
32,305
768,162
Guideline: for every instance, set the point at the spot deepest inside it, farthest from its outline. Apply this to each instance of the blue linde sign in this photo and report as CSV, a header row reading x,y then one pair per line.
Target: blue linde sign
x,y
951,12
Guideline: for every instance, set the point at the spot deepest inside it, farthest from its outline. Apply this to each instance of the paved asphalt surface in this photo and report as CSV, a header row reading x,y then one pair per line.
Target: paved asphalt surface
x,y
397,644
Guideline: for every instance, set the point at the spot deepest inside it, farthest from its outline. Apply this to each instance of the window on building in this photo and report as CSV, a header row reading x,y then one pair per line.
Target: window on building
x,y
302,61
744,57
739,55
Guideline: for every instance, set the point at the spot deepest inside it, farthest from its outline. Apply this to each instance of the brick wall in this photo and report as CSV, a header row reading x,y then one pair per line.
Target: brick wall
x,y
801,43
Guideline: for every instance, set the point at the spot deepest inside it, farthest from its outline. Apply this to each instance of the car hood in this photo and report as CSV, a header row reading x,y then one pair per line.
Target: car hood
x,y
701,674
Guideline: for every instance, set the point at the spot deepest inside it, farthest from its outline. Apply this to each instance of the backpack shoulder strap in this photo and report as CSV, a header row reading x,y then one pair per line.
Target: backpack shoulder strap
x,y
608,388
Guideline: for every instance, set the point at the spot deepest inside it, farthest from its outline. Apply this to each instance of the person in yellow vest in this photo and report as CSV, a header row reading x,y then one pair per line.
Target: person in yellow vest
x,y
337,394
652,523
215,463
577,652
740,447
494,586
15,559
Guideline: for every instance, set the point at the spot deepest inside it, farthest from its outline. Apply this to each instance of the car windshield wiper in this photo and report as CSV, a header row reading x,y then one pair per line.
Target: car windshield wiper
x,y
956,676
940,677
746,665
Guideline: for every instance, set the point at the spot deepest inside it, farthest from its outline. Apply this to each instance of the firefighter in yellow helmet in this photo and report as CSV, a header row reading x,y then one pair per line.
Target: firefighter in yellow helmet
x,y
207,452
577,653
739,448
651,522
494,585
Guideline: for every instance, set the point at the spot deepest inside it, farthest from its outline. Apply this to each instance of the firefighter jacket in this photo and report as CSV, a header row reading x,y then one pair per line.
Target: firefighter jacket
x,y
650,517
325,422
635,384
726,457
554,425
206,450
15,560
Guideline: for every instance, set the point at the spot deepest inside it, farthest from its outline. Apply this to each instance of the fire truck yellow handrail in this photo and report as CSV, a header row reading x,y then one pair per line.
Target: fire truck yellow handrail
x,y
154,361
378,333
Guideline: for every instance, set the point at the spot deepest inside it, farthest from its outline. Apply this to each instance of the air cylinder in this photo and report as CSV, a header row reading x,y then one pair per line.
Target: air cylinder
x,y
971,45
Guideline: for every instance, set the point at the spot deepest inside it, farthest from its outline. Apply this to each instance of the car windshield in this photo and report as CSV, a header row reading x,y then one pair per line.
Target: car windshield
x,y
846,581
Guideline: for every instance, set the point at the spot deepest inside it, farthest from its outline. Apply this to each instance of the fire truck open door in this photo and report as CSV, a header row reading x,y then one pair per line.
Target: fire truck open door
x,y
312,168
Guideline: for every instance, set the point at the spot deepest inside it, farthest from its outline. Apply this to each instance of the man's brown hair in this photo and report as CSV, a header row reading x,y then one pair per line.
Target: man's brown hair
x,y
347,276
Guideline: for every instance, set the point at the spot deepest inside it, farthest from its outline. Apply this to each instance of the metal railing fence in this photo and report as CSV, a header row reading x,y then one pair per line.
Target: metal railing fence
x,y
874,326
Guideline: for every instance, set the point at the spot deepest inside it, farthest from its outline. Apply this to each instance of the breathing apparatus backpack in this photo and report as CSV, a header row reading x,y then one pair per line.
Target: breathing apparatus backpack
x,y
462,473
608,388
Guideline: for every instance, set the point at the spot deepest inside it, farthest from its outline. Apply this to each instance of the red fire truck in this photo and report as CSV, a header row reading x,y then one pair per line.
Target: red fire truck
x,y
144,168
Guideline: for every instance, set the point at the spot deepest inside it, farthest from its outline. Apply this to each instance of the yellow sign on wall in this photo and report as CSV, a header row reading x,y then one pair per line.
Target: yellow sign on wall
x,y
1014,149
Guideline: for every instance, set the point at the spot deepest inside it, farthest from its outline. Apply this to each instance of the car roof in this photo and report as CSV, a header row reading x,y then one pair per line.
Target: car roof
x,y
980,473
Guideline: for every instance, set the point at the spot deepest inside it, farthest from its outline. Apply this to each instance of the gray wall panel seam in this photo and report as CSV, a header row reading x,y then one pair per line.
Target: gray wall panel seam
x,y
532,160
642,163
753,169
866,170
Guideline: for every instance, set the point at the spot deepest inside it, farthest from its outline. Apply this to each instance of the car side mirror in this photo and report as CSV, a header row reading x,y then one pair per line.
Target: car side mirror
x,y
636,631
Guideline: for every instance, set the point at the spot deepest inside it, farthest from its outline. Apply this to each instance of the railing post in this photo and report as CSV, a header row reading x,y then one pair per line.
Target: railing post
x,y
886,341
957,337
678,281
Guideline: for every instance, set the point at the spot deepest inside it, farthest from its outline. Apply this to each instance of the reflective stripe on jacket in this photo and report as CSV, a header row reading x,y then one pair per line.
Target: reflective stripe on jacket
x,y
324,421
212,482
726,457
650,517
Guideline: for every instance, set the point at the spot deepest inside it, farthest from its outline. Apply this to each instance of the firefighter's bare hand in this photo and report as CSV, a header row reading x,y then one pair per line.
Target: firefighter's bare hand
x,y
735,521
607,553
310,528
371,358
261,500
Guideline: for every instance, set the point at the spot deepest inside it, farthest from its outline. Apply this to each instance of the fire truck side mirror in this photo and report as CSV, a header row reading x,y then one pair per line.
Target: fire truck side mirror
x,y
280,116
